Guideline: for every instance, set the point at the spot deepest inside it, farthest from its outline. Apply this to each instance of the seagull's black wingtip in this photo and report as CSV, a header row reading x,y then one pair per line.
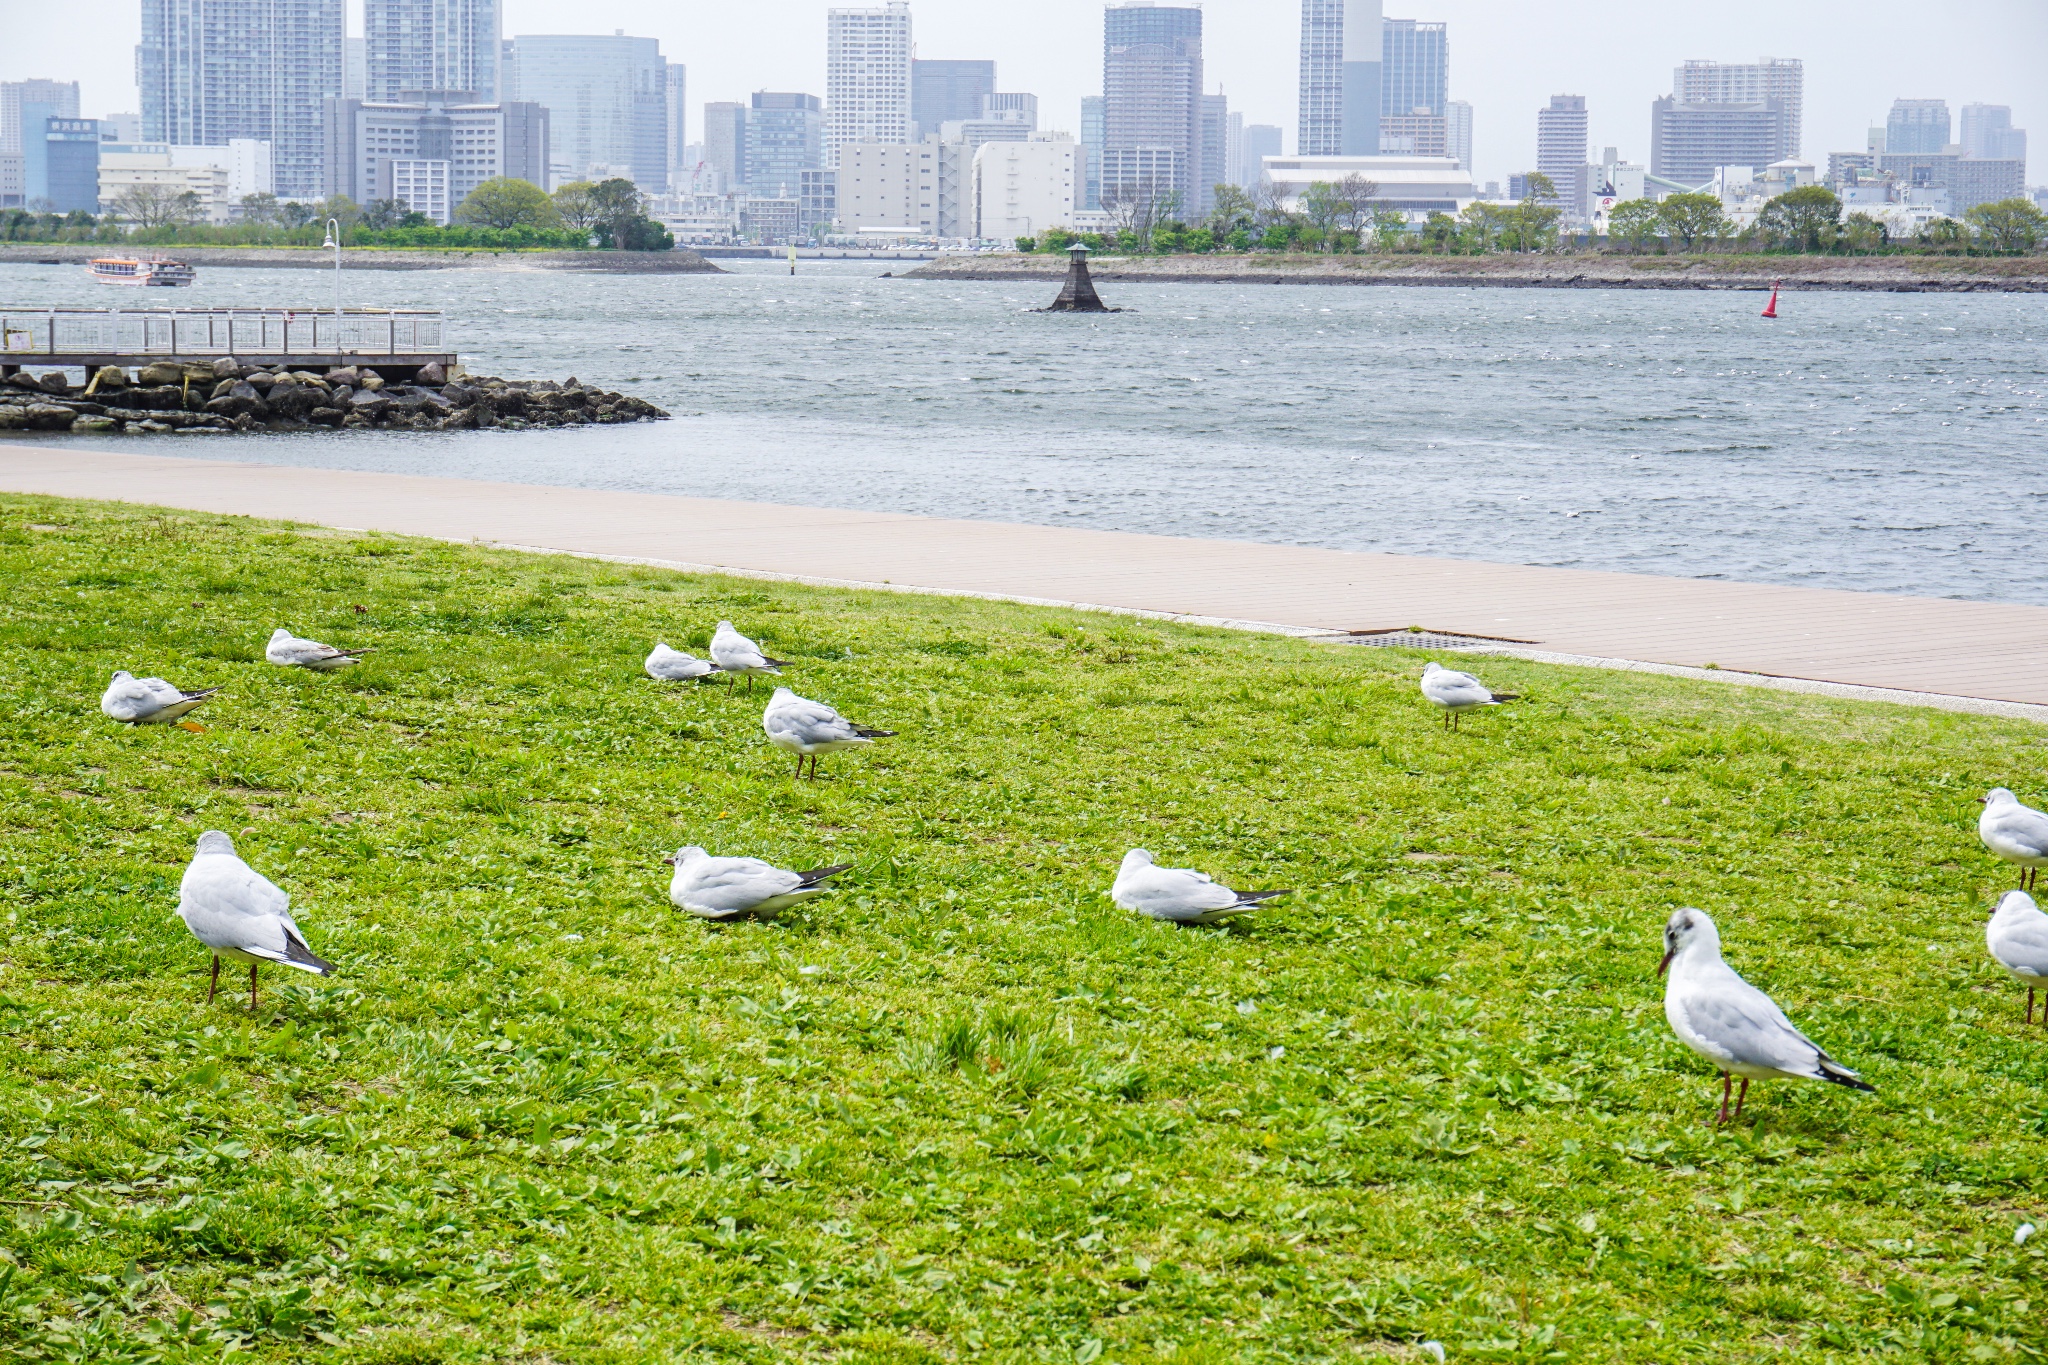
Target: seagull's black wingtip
x,y
819,874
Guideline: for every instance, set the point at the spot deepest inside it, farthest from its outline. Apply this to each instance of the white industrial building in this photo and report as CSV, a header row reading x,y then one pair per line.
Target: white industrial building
x,y
220,176
1416,185
1023,188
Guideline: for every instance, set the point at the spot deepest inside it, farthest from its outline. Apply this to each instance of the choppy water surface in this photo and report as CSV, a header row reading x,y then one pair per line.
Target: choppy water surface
x,y
1884,442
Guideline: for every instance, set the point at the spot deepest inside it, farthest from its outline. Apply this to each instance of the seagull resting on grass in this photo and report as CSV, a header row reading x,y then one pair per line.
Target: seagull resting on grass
x,y
1180,894
1458,692
810,728
287,650
2016,833
672,665
2018,939
236,911
735,653
740,888
150,701
1730,1022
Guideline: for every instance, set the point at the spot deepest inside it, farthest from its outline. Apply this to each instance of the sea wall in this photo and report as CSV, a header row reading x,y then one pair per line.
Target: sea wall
x,y
368,258
1900,274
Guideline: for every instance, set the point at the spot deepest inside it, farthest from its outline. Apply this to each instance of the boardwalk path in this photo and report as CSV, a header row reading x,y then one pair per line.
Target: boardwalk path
x,y
1975,650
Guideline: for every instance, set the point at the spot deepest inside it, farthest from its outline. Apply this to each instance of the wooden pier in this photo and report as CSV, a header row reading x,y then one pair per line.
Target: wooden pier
x,y
395,342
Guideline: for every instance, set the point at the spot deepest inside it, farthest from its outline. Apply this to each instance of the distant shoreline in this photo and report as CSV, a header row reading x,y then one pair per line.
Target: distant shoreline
x,y
370,257
1883,274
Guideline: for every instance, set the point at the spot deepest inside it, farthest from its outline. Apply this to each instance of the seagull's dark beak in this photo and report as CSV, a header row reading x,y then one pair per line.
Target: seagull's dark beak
x,y
670,861
1669,953
1983,800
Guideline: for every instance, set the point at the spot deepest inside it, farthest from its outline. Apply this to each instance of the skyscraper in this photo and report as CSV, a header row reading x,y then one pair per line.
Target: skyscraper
x,y
607,103
60,96
1689,142
1768,78
1917,127
947,92
1988,134
1152,97
1343,46
785,138
1216,158
214,70
1091,149
1561,150
414,47
1458,132
1414,68
867,77
678,115
725,141
1261,140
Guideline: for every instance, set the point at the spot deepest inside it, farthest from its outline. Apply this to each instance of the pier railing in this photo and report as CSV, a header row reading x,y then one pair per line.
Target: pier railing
x,y
28,333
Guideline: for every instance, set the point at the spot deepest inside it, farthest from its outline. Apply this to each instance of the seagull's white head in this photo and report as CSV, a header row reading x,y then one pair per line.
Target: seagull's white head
x,y
1133,860
2019,902
782,694
1432,667
122,675
213,841
280,635
688,853
1998,796
725,625
1684,929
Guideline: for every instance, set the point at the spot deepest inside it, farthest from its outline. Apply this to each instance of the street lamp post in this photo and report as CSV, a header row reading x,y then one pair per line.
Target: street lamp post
x,y
333,243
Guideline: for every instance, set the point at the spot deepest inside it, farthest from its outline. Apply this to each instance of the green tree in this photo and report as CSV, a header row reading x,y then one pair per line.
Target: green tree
x,y
260,209
154,206
1863,234
1538,188
575,207
1440,232
1324,209
339,207
1234,210
1485,226
1634,221
1805,219
509,202
1946,235
1693,220
2013,225
1389,228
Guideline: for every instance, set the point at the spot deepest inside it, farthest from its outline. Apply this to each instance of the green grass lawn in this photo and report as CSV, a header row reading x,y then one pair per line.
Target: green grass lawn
x,y
964,1108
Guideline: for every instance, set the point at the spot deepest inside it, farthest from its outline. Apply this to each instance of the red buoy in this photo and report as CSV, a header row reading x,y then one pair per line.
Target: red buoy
x,y
1771,308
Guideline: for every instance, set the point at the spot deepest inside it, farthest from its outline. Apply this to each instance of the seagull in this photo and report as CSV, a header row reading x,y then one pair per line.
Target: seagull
x,y
810,728
150,701
740,888
1458,692
1179,894
2016,833
672,665
735,653
236,911
287,650
1730,1022
2018,939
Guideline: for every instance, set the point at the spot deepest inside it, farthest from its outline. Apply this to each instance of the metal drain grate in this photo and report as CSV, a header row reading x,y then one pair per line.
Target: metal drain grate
x,y
1420,639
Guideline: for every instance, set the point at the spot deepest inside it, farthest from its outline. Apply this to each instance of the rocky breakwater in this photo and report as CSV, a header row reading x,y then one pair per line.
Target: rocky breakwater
x,y
226,396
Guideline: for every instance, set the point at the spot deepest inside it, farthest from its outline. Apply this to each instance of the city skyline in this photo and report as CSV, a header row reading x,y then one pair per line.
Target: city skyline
x,y
1503,62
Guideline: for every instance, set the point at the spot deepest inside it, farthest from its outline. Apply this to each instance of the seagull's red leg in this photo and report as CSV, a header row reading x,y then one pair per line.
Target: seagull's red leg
x,y
1726,1082
1742,1095
252,987
214,985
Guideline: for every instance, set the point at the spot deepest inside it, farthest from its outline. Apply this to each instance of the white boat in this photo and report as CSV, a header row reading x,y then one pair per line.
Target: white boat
x,y
130,270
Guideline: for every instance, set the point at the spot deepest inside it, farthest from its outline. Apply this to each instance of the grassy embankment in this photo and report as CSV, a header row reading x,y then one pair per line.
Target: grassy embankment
x,y
963,1108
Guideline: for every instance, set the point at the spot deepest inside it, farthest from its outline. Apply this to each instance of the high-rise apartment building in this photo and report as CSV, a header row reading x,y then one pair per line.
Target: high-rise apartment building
x,y
60,97
445,47
1690,142
1414,68
1091,151
1233,148
1561,151
469,143
1988,134
1917,127
1343,47
785,137
1216,158
1152,94
1458,132
947,92
212,70
1261,140
677,114
355,68
867,78
1769,78
607,103
725,142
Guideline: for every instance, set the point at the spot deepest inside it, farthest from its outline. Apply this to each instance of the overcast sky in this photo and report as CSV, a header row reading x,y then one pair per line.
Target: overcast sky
x,y
1507,56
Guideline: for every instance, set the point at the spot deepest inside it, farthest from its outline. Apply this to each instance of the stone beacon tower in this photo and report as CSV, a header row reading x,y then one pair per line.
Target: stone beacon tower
x,y
1078,294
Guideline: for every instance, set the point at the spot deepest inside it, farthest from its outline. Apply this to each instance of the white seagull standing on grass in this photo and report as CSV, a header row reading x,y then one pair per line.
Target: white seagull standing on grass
x,y
2018,939
2016,833
1180,894
1730,1022
1458,692
810,728
150,701
236,911
740,888
672,665
287,650
736,654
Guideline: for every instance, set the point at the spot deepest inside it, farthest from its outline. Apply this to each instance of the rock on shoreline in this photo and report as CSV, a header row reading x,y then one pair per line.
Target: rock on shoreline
x,y
229,396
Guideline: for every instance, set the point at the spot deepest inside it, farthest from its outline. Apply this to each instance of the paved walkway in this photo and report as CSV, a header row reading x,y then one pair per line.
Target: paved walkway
x,y
1930,645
